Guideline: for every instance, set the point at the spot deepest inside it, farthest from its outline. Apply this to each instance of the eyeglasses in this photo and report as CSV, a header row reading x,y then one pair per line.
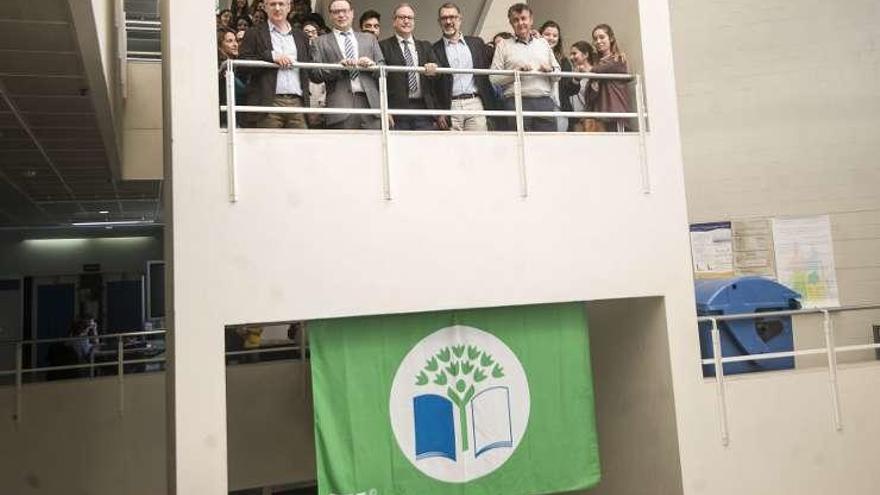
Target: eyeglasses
x,y
339,11
450,18
405,17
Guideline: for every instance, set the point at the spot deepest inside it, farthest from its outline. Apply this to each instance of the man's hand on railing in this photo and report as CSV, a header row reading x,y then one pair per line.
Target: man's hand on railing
x,y
284,61
442,123
430,69
365,62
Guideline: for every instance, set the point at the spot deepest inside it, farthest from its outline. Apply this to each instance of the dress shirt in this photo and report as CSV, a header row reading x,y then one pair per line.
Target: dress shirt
x,y
411,46
283,44
533,52
459,55
356,86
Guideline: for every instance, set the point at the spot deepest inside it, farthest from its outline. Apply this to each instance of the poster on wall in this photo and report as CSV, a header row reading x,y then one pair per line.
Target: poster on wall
x,y
753,248
712,249
805,259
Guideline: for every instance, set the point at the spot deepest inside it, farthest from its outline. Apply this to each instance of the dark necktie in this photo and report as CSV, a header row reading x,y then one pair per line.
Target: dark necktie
x,y
349,53
412,77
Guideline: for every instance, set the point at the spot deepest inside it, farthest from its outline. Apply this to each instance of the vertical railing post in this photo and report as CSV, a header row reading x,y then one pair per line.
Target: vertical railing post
x,y
230,131
120,373
831,351
520,135
92,364
19,363
306,363
643,147
719,383
383,115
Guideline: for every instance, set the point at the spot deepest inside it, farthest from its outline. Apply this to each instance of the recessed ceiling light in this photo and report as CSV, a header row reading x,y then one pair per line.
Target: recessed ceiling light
x,y
29,173
104,212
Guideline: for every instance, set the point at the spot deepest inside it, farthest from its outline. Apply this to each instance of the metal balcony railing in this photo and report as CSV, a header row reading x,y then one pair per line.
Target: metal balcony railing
x,y
831,350
384,111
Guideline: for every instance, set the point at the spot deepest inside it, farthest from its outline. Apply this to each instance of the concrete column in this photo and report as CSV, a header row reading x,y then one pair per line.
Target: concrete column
x,y
196,386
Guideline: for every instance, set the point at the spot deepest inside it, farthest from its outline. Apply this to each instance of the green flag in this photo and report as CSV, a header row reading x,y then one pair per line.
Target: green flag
x,y
482,401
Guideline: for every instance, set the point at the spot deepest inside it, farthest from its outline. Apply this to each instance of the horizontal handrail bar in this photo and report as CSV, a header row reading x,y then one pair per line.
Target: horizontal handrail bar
x,y
106,364
427,111
267,350
803,352
788,312
84,337
439,70
135,22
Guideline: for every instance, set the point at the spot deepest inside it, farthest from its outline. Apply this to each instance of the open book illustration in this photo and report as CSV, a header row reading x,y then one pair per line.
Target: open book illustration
x,y
435,423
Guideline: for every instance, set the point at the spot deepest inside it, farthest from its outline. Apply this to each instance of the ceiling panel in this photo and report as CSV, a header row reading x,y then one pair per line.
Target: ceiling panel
x,y
35,10
41,63
39,36
42,74
50,105
51,87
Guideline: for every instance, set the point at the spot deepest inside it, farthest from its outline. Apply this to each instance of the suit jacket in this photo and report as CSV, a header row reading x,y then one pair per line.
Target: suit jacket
x,y
257,45
398,82
481,60
326,50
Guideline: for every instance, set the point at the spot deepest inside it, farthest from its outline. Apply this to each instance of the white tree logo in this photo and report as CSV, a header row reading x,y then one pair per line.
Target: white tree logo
x,y
459,404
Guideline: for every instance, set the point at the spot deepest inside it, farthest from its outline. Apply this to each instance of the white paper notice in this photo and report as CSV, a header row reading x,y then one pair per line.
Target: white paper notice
x,y
753,248
805,259
712,249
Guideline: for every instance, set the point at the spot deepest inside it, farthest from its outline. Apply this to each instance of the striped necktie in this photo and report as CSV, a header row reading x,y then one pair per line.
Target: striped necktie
x,y
349,53
412,77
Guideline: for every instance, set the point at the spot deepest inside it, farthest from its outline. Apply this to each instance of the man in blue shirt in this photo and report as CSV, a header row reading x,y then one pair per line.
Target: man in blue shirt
x,y
276,41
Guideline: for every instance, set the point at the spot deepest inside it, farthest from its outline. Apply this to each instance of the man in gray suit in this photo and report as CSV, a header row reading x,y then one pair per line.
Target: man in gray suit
x,y
352,88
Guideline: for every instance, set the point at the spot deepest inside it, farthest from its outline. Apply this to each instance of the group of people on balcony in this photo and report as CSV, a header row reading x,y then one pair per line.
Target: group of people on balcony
x,y
291,34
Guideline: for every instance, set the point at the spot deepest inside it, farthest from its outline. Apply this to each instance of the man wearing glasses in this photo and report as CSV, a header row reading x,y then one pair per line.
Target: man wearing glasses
x,y
461,91
352,88
409,90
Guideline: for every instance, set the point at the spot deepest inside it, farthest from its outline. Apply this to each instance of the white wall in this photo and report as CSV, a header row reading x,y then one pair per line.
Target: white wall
x,y
72,439
779,116
768,132
311,236
635,411
49,257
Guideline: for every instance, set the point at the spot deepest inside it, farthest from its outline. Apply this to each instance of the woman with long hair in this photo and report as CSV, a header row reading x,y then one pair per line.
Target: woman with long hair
x,y
224,19
552,33
227,48
240,8
582,98
612,95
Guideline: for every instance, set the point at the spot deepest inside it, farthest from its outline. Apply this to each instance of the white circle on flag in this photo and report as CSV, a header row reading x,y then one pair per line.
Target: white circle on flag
x,y
483,379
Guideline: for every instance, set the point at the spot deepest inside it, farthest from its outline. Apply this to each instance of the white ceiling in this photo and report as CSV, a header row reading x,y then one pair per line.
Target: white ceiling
x,y
54,167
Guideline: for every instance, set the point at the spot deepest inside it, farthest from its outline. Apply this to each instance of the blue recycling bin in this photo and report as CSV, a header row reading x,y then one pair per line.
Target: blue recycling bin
x,y
752,336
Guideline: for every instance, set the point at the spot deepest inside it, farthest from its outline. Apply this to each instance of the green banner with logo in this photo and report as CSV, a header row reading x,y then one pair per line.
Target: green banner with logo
x,y
485,401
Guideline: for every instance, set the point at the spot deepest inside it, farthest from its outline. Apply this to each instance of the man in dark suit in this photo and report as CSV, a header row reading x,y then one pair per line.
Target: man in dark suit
x,y
461,91
409,90
352,88
276,41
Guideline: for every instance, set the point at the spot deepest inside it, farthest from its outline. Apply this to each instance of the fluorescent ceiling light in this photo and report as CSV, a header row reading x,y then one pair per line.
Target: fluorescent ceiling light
x,y
104,212
122,223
